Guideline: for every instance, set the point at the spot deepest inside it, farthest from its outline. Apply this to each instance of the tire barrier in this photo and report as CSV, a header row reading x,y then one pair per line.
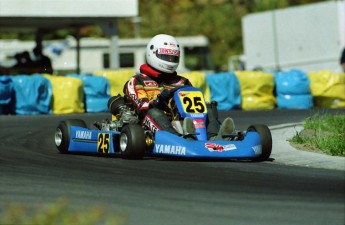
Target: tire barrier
x,y
328,89
96,91
256,90
225,89
6,94
293,90
198,79
247,90
68,94
32,94
117,79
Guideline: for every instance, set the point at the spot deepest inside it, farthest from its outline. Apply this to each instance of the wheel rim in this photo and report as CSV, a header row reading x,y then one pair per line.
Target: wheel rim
x,y
58,137
123,142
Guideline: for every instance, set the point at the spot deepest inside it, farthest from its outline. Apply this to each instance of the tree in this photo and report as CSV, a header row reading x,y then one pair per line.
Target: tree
x,y
219,20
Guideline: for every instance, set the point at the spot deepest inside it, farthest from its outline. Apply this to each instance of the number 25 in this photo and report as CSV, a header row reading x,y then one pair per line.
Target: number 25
x,y
196,103
103,144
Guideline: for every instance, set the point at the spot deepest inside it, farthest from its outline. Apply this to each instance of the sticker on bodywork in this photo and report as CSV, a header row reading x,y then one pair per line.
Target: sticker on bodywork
x,y
170,149
257,149
212,147
82,134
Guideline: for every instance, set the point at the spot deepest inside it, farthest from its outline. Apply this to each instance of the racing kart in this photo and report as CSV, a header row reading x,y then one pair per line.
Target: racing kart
x,y
124,136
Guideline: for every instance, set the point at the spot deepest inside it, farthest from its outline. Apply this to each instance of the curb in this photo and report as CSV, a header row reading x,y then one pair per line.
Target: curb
x,y
284,153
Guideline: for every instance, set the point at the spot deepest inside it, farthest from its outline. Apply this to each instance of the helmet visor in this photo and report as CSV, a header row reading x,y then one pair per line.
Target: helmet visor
x,y
175,57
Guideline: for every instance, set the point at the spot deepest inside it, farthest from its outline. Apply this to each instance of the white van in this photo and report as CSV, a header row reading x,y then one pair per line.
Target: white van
x,y
94,53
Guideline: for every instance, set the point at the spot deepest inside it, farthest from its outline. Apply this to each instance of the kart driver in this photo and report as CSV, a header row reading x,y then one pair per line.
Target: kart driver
x,y
158,77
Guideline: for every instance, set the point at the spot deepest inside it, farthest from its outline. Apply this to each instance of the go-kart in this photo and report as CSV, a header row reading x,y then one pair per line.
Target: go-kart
x,y
124,136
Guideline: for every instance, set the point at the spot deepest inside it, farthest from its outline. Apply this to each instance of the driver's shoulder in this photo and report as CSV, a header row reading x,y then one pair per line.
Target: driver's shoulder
x,y
142,76
182,80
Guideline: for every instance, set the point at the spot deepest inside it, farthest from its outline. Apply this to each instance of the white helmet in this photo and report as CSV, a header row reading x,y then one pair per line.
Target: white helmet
x,y
163,53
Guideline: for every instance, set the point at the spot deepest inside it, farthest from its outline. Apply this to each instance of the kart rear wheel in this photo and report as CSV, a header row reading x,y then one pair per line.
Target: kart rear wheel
x,y
132,142
266,140
62,133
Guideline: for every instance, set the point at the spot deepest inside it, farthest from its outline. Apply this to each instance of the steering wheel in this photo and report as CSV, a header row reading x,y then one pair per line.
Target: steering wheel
x,y
165,95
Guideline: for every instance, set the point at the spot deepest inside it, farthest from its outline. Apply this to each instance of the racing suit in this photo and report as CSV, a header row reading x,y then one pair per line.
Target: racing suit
x,y
142,90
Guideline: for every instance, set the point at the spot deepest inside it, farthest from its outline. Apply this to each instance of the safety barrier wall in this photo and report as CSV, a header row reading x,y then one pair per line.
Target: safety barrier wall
x,y
292,90
96,92
6,93
117,79
225,89
256,90
328,89
246,90
198,79
68,95
25,94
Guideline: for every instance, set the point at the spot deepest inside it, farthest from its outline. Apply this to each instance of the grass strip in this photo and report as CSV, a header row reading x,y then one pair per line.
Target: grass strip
x,y
325,133
58,213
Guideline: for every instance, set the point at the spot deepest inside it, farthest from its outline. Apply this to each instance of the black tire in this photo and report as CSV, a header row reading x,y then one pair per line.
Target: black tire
x,y
62,133
266,140
132,142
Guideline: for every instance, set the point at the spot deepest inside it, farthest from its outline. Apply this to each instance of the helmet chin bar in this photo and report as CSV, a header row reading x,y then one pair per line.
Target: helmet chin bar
x,y
163,67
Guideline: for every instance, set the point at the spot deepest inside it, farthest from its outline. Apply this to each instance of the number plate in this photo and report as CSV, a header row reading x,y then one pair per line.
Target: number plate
x,y
103,143
192,102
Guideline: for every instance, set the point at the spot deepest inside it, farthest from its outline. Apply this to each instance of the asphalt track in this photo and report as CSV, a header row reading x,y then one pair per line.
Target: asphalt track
x,y
169,191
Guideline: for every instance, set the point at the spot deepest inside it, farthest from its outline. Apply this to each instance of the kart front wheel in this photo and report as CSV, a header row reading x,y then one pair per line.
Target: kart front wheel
x,y
62,133
266,140
132,142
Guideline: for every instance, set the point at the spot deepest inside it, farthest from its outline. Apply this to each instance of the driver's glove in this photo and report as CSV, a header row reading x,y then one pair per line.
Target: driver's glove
x,y
162,99
165,95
